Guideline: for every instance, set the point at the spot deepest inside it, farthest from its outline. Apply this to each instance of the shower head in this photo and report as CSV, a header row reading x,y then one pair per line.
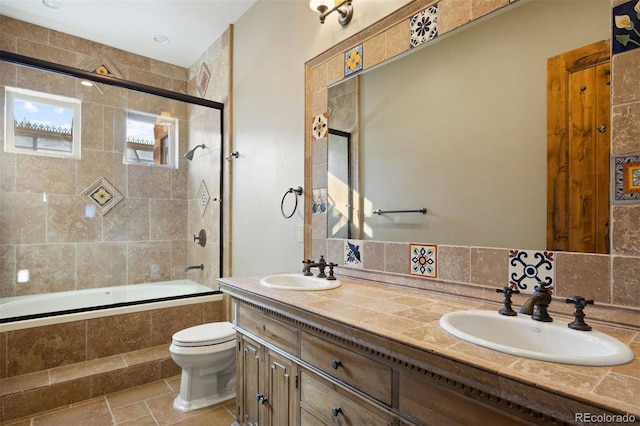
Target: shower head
x,y
189,154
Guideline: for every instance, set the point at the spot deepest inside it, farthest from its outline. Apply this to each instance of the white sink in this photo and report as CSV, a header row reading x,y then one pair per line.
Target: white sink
x,y
546,341
298,282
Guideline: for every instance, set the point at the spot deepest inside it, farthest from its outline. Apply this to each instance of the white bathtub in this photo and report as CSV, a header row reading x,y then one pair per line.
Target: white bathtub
x,y
49,308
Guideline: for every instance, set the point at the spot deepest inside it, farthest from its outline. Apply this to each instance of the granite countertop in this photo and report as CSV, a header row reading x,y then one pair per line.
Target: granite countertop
x,y
410,316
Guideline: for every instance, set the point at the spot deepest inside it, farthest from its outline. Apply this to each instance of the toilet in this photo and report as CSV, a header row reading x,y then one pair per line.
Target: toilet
x,y
206,353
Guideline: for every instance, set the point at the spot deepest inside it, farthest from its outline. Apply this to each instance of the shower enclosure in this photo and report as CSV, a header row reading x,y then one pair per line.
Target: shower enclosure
x,y
127,206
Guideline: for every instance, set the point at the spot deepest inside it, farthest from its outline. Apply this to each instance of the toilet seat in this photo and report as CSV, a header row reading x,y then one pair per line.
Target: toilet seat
x,y
205,335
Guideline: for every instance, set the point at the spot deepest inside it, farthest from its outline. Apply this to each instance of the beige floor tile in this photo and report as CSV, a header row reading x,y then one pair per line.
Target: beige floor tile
x,y
96,412
130,412
138,393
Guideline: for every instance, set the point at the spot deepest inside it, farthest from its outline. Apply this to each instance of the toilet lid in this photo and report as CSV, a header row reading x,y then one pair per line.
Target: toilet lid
x,y
205,334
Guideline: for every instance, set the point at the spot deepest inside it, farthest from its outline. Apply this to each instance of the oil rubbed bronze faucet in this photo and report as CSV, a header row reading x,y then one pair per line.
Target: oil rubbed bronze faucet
x,y
540,300
321,265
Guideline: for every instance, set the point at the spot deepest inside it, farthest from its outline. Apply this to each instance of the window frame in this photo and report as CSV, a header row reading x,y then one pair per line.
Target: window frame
x,y
75,105
173,123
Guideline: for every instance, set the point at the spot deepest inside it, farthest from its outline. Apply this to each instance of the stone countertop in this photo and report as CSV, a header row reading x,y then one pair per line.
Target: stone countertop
x,y
410,316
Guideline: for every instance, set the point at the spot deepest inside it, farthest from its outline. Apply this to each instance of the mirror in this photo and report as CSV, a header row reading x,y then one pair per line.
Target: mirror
x,y
459,127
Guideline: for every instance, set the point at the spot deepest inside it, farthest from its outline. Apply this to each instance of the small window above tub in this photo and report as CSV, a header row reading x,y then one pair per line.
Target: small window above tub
x,y
151,139
41,124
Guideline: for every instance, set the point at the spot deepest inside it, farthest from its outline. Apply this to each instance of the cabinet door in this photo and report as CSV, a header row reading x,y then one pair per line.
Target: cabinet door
x,y
280,377
251,360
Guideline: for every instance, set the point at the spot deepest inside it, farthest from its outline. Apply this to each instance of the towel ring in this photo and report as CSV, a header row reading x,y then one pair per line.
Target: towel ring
x,y
297,191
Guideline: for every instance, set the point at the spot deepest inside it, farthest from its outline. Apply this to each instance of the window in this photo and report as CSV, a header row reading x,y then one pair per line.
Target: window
x,y
41,124
151,139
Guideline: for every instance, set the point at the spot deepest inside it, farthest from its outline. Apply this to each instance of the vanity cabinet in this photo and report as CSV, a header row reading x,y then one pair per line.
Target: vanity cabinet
x,y
297,370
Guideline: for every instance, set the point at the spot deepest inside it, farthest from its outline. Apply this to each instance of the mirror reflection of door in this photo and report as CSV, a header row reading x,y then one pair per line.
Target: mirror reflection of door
x,y
578,151
340,206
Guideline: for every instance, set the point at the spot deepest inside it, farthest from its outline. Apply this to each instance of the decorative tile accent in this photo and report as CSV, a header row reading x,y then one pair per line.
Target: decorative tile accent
x,y
424,260
424,26
102,195
203,197
530,268
320,126
102,66
353,255
626,180
626,27
319,199
353,60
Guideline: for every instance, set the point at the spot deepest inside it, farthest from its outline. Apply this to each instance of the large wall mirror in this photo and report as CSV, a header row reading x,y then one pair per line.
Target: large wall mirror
x,y
459,127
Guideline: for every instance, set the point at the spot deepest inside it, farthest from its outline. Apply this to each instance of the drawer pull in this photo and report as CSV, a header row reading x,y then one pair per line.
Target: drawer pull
x,y
264,327
260,397
335,411
336,363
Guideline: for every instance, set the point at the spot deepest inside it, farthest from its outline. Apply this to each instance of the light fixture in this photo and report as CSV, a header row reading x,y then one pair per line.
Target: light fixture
x,y
86,83
326,7
52,4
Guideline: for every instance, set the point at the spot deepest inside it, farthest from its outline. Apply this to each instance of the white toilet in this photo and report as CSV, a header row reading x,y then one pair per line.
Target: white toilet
x,y
206,353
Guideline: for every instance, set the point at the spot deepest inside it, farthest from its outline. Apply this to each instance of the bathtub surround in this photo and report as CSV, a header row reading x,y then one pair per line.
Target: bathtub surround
x,y
143,235
611,280
50,366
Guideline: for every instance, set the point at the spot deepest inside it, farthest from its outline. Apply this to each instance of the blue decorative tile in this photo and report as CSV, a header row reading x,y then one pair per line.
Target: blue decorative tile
x,y
626,27
626,179
531,268
353,60
424,26
424,260
320,126
102,195
353,255
319,201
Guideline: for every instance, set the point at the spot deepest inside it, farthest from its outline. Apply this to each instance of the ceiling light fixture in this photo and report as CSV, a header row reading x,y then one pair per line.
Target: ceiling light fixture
x,y
326,7
160,39
52,4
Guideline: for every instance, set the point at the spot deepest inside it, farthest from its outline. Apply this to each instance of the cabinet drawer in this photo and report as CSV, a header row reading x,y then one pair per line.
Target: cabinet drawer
x,y
271,330
370,376
333,408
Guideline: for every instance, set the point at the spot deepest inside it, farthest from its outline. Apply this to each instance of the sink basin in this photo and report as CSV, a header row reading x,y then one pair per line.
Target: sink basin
x,y
298,282
546,341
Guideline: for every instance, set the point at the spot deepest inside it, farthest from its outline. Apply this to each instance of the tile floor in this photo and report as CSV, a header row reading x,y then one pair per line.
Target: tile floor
x,y
146,405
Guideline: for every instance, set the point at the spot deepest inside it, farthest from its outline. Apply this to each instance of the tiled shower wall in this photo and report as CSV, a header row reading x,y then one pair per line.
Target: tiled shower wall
x,y
43,226
608,279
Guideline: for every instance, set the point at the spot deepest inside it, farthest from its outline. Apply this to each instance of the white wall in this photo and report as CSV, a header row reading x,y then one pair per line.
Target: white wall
x,y
272,42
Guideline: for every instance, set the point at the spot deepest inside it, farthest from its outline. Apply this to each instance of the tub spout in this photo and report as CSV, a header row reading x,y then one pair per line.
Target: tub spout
x,y
200,266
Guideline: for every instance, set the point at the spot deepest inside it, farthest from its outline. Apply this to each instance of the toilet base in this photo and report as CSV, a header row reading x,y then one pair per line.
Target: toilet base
x,y
186,406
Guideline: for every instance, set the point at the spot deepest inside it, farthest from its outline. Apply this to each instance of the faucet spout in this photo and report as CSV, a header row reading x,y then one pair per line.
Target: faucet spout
x,y
200,266
539,301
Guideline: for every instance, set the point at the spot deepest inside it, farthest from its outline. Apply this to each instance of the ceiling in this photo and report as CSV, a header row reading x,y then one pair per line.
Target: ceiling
x,y
190,25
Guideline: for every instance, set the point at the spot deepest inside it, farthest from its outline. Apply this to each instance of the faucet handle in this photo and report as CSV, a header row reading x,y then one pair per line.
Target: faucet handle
x,y
506,308
579,303
331,265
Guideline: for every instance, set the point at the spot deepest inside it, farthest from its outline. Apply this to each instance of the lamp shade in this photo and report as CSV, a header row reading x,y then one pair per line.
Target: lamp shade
x,y
320,5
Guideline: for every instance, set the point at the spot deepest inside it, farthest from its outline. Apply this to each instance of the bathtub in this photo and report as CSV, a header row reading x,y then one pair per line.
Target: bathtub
x,y
53,308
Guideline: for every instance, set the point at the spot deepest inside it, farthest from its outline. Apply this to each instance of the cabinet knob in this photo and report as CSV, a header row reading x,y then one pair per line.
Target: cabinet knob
x,y
261,398
335,411
335,364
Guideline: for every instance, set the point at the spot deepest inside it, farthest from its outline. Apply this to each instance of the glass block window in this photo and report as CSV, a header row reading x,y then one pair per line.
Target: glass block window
x,y
41,124
151,139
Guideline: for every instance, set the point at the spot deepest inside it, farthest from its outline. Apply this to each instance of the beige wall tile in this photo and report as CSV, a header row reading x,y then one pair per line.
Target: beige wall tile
x,y
22,218
179,259
453,14
118,334
396,258
94,166
482,7
397,39
24,30
626,73
136,375
626,288
374,255
584,275
374,51
7,274
166,322
167,219
625,232
625,127
149,182
67,220
489,266
40,348
101,265
45,174
47,53
454,263
335,69
128,221
149,262
52,267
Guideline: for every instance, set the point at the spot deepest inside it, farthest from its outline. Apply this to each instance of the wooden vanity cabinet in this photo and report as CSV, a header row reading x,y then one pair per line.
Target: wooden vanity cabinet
x,y
294,373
